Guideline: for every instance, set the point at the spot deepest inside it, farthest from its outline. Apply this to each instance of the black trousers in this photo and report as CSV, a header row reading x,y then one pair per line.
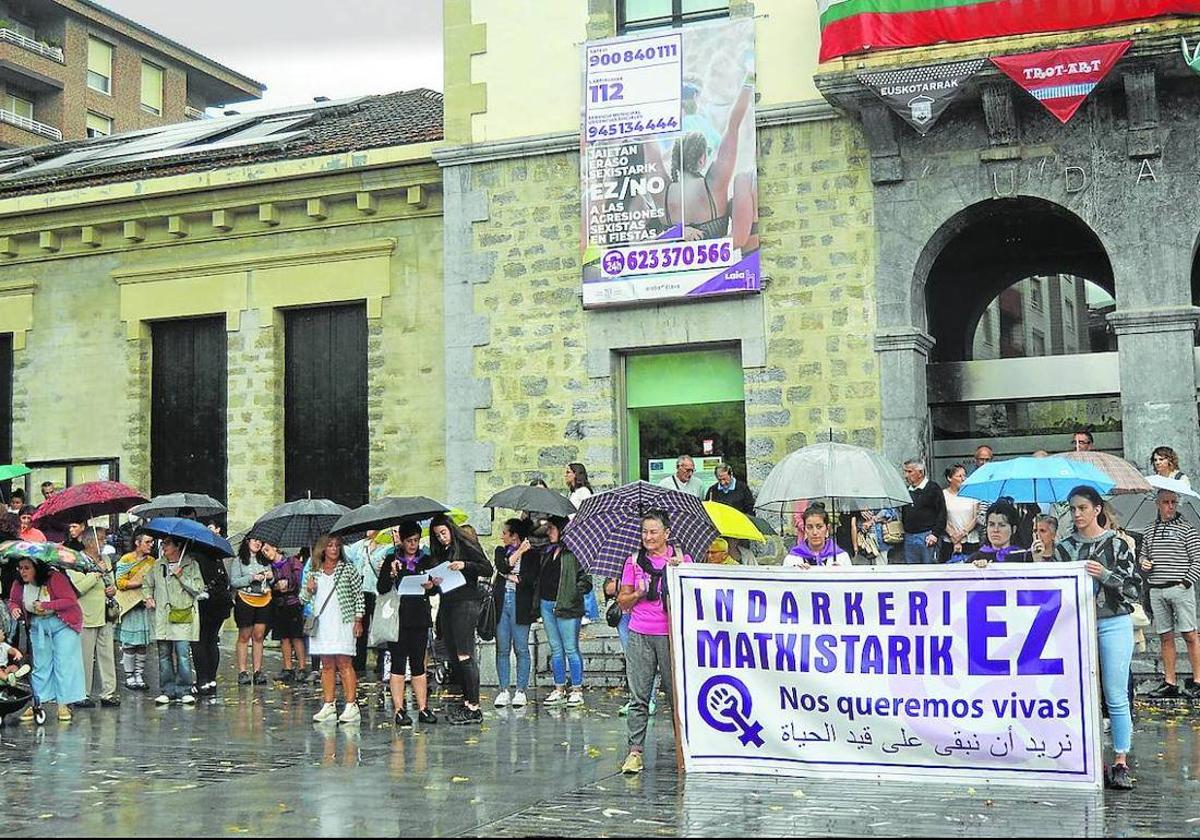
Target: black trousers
x,y
360,649
458,629
206,653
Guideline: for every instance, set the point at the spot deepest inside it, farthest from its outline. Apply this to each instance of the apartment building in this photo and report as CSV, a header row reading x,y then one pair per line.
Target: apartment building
x,y
71,69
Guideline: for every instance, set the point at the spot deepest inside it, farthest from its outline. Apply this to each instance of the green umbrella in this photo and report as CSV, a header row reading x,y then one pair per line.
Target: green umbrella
x,y
52,554
9,471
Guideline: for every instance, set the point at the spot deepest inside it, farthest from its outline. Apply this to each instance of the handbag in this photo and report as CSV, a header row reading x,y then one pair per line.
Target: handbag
x,y
311,621
385,621
612,614
485,627
893,532
181,615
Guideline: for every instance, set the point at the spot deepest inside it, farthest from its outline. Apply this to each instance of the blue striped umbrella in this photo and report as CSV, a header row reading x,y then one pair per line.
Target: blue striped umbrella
x,y
608,527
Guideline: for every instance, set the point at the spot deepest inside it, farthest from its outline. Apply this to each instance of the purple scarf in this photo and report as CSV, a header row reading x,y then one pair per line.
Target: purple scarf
x,y
816,558
411,563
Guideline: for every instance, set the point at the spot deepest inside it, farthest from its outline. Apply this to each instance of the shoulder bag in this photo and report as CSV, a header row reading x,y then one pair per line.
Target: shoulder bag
x,y
312,621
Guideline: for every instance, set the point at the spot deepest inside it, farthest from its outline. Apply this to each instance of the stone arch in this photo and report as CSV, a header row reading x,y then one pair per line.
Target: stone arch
x,y
993,244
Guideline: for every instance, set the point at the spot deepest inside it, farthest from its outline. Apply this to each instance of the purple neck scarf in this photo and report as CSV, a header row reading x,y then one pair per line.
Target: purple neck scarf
x,y
816,558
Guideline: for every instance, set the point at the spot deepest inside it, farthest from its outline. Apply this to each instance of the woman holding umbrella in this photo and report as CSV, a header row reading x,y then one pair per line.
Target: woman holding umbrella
x,y
172,590
45,596
459,612
334,588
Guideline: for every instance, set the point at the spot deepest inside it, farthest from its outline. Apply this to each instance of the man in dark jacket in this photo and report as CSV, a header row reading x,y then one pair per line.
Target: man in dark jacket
x,y
925,519
729,491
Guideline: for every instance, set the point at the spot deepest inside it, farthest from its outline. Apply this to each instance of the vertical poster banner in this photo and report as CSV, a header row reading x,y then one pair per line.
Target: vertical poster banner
x,y
946,674
669,166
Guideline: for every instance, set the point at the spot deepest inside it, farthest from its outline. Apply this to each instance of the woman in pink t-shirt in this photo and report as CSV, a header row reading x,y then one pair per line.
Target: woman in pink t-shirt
x,y
648,654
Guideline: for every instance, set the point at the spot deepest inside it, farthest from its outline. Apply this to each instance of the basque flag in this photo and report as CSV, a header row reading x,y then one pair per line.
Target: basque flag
x,y
1062,79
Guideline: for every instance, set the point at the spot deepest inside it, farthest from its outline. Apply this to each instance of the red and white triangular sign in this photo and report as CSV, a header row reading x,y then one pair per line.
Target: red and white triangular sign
x,y
1062,79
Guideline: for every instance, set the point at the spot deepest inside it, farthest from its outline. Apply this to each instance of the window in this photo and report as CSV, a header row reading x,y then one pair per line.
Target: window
x,y
152,88
99,74
633,15
98,126
1038,343
1035,293
23,29
1069,315
18,105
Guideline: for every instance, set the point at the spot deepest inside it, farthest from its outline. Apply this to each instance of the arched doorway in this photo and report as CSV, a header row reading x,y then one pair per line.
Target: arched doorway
x,y
1017,293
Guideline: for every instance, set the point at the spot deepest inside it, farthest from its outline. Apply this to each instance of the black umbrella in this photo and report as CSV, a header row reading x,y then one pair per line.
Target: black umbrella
x,y
387,512
297,524
171,503
537,499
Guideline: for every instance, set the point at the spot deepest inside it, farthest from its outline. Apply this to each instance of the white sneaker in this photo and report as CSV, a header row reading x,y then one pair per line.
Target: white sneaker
x,y
187,700
350,714
501,700
162,699
519,699
328,712
576,698
22,671
556,698
585,621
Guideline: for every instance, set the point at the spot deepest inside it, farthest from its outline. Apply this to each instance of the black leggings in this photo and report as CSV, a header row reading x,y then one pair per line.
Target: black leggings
x,y
458,629
411,648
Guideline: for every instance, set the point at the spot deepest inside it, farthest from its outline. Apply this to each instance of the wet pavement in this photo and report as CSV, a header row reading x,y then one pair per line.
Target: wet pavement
x,y
252,762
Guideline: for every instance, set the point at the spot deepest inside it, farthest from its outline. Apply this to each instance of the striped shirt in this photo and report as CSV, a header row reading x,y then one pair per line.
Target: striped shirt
x,y
1174,549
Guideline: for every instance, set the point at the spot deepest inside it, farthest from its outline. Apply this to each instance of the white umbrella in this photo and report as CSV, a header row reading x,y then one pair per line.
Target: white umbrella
x,y
851,477
1138,513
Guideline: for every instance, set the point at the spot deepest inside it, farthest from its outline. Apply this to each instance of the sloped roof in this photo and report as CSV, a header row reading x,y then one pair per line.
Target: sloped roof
x,y
315,129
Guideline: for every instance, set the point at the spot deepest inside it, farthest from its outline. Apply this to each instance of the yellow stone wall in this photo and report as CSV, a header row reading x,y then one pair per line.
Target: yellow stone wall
x,y
82,379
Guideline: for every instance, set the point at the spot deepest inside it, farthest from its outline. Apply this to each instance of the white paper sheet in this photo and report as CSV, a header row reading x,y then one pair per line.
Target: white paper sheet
x,y
450,580
412,585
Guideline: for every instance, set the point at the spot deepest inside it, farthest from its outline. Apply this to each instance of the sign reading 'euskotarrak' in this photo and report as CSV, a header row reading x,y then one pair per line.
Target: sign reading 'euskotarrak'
x,y
951,674
670,193
921,94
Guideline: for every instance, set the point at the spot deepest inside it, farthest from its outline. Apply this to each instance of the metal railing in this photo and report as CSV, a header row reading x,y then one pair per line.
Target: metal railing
x,y
30,125
194,113
52,53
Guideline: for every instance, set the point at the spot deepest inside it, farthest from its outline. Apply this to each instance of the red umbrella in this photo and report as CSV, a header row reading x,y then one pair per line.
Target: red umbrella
x,y
81,502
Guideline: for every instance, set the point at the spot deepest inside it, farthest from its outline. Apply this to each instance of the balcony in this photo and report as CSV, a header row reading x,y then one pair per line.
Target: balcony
x,y
44,50
32,126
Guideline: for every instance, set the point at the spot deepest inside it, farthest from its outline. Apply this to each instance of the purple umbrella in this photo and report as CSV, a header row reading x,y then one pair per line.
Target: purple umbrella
x,y
608,527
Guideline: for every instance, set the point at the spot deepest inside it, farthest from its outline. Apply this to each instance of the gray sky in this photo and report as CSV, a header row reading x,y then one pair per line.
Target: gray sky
x,y
302,48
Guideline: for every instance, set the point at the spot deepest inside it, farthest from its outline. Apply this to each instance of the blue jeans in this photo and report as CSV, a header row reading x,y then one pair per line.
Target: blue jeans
x,y
915,551
175,677
563,636
623,630
591,607
512,637
1116,656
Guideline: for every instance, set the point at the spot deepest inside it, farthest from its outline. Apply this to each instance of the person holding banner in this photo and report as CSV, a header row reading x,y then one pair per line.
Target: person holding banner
x,y
817,548
1002,520
1111,562
643,594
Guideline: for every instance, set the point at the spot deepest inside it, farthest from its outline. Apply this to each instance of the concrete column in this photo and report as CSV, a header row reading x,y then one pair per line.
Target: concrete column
x,y
903,354
1158,382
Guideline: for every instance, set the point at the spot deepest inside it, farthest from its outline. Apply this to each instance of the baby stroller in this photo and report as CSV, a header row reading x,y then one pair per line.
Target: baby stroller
x,y
14,699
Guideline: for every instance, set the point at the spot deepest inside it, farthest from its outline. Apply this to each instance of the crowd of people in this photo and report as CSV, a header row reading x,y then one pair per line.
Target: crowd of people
x,y
317,603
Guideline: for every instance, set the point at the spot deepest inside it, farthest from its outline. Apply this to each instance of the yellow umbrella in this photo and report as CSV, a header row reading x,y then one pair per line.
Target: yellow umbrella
x,y
731,522
457,515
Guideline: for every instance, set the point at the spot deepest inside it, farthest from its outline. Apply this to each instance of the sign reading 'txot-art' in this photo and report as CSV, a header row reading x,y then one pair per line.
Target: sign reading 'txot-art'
x,y
954,674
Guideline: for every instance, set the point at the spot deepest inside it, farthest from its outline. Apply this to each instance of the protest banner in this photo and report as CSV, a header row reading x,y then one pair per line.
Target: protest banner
x,y
951,674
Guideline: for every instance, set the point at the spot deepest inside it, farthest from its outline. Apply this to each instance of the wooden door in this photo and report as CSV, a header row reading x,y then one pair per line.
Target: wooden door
x,y
188,381
326,439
